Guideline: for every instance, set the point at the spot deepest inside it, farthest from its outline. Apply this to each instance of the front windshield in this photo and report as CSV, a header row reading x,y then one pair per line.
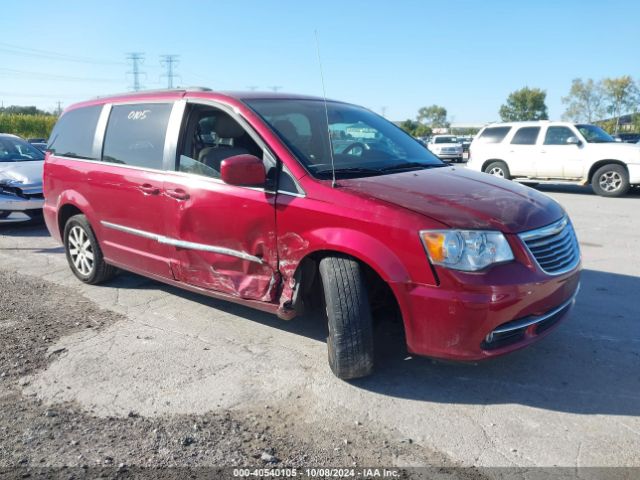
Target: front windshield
x,y
362,142
17,150
593,134
445,140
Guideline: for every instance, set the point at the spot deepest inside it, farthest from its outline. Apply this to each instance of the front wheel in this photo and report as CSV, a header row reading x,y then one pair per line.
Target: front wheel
x,y
498,169
610,180
350,341
83,252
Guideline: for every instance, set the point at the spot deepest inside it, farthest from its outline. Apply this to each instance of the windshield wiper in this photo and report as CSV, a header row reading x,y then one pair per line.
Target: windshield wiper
x,y
410,166
351,170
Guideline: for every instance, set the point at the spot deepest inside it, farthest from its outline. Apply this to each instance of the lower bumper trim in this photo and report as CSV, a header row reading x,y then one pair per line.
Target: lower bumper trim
x,y
514,331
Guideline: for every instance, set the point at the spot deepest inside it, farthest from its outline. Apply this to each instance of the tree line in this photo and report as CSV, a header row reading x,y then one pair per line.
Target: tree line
x,y
587,101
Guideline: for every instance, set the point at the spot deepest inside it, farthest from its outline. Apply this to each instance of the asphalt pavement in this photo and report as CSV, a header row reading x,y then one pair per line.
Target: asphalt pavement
x,y
571,400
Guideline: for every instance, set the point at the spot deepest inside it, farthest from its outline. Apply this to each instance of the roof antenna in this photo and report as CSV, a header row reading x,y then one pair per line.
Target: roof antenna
x,y
326,114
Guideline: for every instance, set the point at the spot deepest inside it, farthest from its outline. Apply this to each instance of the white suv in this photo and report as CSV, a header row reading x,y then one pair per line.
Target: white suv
x,y
556,152
446,147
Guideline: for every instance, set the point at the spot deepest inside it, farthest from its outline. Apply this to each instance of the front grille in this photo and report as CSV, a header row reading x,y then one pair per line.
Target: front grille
x,y
554,247
11,191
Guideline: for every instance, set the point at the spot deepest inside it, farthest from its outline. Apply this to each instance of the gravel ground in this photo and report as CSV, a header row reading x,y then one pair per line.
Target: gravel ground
x,y
34,437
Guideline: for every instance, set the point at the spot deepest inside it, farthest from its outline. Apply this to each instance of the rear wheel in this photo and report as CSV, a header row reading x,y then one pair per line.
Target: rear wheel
x,y
610,180
83,252
498,169
350,341
4,214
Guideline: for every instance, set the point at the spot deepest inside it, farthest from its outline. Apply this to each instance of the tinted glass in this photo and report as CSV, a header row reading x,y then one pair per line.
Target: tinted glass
x,y
557,136
17,150
526,136
493,134
73,134
362,143
136,133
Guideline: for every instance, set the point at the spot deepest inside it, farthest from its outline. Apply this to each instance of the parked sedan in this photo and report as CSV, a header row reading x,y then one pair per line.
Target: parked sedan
x,y
20,177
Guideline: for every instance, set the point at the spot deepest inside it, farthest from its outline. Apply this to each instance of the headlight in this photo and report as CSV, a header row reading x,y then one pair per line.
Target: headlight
x,y
467,250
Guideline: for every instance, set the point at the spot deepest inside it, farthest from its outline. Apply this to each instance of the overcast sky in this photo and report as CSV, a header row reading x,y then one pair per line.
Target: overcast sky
x,y
400,55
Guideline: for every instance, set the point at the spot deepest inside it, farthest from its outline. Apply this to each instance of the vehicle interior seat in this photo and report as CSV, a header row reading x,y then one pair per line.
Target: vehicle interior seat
x,y
228,129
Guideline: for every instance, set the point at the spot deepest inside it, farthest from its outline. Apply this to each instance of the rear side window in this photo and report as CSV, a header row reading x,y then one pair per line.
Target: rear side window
x,y
136,133
557,136
526,136
493,134
74,133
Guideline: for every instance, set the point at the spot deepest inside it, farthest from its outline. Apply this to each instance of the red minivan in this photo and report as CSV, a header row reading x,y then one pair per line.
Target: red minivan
x,y
286,202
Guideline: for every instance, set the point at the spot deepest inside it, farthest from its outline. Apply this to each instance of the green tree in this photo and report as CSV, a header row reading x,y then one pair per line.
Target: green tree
x,y
525,104
585,102
23,110
415,129
621,96
435,116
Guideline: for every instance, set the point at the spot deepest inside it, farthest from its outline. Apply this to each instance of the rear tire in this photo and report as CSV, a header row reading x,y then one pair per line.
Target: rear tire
x,y
611,180
498,169
350,340
83,252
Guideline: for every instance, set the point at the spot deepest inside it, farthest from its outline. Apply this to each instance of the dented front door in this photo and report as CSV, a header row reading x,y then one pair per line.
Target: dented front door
x,y
224,236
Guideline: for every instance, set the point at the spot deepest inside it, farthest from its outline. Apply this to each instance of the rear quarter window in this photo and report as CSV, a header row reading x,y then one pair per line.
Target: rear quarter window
x,y
493,134
74,133
526,136
136,134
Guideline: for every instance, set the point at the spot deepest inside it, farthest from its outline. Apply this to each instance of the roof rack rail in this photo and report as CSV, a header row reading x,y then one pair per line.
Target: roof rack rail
x,y
159,90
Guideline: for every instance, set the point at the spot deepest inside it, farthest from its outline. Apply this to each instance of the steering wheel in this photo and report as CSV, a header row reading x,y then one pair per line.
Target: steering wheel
x,y
351,146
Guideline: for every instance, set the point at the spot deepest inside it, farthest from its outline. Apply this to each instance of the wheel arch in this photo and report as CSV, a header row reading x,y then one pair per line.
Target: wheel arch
x,y
486,163
600,163
72,203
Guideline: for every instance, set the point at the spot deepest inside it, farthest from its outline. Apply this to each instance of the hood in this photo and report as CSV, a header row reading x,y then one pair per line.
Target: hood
x,y
24,175
462,198
629,152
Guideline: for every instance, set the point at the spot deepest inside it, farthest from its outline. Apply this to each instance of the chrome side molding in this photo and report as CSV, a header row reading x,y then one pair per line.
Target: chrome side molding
x,y
182,243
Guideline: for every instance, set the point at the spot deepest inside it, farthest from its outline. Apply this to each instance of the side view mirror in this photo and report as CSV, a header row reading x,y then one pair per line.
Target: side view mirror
x,y
574,141
243,170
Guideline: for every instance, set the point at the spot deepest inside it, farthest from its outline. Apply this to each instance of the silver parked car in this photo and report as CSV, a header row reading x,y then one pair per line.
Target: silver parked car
x,y
20,177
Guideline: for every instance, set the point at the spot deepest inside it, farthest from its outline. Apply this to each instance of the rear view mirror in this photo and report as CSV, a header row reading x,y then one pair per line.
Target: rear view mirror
x,y
243,170
573,141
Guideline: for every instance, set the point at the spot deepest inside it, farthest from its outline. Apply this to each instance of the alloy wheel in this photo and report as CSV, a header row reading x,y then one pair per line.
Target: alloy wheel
x,y
497,171
80,250
610,181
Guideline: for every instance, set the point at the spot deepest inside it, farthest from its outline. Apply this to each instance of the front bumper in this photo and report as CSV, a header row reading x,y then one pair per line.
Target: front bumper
x,y
13,203
471,317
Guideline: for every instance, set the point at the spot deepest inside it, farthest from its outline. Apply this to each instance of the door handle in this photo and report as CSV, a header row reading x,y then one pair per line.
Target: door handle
x,y
149,189
177,193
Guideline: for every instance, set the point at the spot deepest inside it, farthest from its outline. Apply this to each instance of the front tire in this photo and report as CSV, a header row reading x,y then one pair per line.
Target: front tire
x,y
83,252
498,169
611,180
350,340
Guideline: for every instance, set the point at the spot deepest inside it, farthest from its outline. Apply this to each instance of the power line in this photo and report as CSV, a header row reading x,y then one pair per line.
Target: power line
x,y
169,61
50,76
136,59
275,88
37,53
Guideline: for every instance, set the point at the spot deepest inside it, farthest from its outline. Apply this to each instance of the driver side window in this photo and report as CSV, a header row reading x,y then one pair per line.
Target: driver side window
x,y
557,135
210,136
